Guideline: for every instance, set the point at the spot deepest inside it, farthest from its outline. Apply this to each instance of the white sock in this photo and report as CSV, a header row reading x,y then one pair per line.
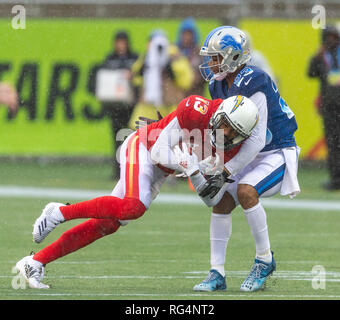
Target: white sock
x,y
58,215
36,263
257,220
220,232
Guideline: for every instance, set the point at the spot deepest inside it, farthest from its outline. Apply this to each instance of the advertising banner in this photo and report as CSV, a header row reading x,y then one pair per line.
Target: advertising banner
x,y
50,62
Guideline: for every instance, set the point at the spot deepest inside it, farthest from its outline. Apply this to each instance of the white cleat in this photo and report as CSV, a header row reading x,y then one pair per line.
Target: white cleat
x,y
32,271
50,217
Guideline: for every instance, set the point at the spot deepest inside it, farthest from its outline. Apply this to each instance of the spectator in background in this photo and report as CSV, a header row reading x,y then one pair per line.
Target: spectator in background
x,y
325,65
163,75
188,44
9,97
114,88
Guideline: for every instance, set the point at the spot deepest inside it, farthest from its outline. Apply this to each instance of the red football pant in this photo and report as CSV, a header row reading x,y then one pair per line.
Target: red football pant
x,y
107,207
76,238
106,212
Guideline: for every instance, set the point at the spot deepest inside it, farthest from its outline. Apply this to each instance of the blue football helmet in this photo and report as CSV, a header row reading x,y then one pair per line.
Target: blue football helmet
x,y
224,50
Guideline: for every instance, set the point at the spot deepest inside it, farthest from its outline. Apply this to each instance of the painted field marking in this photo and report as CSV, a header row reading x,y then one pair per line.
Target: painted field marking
x,y
330,276
226,295
163,198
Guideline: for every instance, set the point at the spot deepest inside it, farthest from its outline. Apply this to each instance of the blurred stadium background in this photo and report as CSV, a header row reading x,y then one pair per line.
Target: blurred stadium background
x,y
78,34
41,155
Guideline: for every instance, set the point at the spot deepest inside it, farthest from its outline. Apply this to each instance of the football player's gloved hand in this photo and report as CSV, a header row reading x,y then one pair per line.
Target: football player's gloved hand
x,y
209,165
214,184
187,161
143,121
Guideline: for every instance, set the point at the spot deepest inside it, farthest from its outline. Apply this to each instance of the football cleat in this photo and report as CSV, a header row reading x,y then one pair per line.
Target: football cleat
x,y
214,282
48,220
32,271
258,275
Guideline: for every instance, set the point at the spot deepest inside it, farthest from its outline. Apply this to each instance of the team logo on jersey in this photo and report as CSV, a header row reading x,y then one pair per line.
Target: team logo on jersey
x,y
243,73
246,82
246,71
238,80
200,105
238,101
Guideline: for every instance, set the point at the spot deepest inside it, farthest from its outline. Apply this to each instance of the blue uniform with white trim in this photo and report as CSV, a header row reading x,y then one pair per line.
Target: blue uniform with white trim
x,y
281,123
271,180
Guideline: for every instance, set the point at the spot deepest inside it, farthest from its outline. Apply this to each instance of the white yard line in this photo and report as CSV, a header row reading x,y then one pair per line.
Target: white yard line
x,y
211,295
330,276
299,262
165,198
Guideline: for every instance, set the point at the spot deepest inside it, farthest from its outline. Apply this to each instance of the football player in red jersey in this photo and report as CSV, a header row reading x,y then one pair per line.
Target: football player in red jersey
x,y
147,157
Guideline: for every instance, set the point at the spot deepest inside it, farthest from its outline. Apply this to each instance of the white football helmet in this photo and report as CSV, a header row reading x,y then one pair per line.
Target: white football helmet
x,y
231,44
241,114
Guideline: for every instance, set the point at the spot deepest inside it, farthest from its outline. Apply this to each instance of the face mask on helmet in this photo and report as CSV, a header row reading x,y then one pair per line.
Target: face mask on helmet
x,y
233,122
218,138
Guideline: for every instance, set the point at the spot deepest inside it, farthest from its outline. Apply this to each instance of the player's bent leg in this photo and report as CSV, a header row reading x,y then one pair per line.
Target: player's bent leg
x,y
107,207
77,238
247,196
220,233
32,267
226,204
264,264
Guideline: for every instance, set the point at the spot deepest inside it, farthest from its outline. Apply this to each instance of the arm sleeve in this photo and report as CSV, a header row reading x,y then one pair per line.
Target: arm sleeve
x,y
256,142
161,151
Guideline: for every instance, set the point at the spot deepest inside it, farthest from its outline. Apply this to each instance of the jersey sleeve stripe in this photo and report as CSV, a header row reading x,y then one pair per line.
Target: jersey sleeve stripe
x,y
132,168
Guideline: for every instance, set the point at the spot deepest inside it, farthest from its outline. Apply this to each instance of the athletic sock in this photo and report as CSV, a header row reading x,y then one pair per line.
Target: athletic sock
x,y
266,257
107,207
76,238
220,232
257,220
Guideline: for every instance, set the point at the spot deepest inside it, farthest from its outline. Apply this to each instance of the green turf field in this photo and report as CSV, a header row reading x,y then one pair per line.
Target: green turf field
x,y
166,252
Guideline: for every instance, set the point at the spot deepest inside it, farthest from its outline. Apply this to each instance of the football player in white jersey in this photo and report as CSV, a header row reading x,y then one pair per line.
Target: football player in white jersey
x,y
266,162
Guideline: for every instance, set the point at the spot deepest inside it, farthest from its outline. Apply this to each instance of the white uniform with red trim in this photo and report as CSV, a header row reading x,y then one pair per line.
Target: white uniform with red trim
x,y
146,156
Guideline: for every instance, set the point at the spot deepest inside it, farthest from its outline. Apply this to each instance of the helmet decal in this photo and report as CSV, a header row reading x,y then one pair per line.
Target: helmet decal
x,y
238,101
229,41
211,33
240,113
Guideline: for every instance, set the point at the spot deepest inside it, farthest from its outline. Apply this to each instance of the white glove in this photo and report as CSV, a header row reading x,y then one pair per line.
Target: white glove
x,y
187,163
209,165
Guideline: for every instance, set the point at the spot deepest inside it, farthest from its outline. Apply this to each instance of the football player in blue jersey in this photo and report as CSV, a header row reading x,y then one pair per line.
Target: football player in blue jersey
x,y
266,163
